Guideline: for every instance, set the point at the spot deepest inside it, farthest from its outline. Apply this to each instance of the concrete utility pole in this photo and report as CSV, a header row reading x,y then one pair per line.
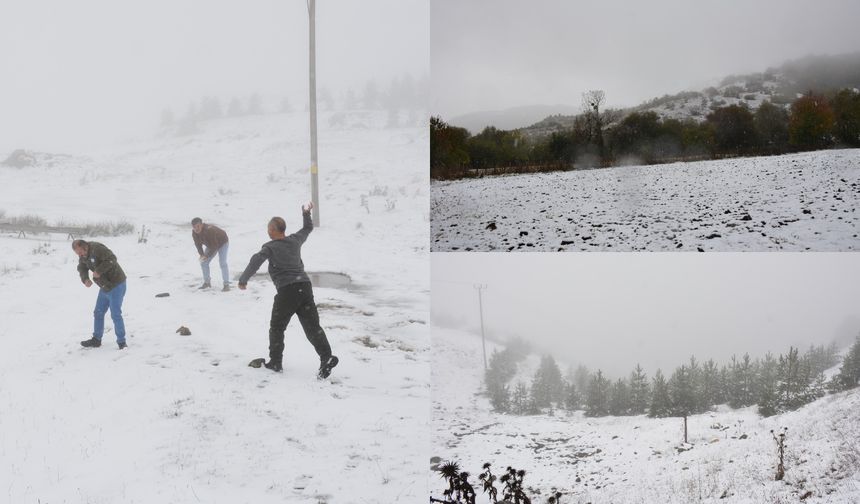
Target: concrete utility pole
x,y
480,288
312,104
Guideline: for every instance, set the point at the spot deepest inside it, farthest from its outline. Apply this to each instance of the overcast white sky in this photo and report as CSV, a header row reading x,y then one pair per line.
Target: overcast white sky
x,y
72,73
611,311
497,54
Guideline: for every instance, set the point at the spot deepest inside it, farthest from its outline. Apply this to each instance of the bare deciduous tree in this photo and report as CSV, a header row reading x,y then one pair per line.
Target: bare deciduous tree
x,y
591,102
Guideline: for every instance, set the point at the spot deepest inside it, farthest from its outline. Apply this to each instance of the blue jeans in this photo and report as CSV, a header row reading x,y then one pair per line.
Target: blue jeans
x,y
112,300
222,261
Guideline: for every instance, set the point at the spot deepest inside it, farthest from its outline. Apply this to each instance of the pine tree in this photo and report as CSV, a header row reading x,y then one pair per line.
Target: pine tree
x,y
849,373
548,385
572,399
681,392
708,387
638,391
500,398
501,369
790,382
581,378
766,386
723,385
619,401
741,382
520,400
597,397
695,372
660,403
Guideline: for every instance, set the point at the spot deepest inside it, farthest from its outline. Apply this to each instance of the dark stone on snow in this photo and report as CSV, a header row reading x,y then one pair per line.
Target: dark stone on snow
x,y
746,217
184,331
491,226
713,235
163,294
567,242
524,233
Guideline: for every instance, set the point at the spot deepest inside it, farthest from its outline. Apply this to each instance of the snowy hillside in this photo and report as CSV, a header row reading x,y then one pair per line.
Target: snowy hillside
x,y
731,457
796,202
183,418
779,86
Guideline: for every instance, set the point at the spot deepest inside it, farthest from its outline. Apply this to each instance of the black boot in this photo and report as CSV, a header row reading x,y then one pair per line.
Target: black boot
x,y
326,367
91,343
205,285
274,366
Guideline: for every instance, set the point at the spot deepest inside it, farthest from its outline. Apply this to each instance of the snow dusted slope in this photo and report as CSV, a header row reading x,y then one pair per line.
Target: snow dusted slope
x,y
731,457
183,419
795,202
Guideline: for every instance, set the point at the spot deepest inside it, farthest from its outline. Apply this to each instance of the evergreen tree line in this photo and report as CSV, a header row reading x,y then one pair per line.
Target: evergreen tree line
x,y
812,122
774,384
404,92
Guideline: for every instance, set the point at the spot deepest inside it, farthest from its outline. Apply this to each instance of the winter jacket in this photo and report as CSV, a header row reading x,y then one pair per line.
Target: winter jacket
x,y
284,256
100,259
212,236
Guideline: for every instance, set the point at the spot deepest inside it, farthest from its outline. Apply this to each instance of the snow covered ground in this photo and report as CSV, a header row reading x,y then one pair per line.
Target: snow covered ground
x,y
731,457
183,418
794,202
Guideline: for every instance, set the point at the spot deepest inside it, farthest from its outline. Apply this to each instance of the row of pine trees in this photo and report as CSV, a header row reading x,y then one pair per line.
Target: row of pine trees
x,y
404,92
774,384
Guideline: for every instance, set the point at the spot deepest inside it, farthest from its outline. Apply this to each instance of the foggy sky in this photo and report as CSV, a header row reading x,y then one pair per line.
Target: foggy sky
x,y
612,311
497,54
74,73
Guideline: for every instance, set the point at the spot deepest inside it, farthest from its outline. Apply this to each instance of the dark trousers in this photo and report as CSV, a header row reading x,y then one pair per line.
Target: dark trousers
x,y
296,299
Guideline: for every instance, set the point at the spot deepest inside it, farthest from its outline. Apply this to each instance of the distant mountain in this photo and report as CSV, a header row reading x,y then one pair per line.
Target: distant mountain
x,y
509,119
780,86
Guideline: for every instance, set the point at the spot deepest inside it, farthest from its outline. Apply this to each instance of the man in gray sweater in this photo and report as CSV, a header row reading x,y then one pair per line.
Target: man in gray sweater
x,y
295,295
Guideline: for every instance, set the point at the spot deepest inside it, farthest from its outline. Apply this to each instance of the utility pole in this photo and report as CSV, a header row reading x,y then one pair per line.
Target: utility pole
x,y
480,288
312,105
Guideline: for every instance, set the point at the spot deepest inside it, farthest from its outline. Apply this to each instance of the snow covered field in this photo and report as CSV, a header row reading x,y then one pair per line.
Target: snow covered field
x,y
794,202
731,457
182,418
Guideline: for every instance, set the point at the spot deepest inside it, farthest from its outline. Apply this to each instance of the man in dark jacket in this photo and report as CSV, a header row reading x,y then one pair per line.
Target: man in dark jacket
x,y
295,295
110,278
216,242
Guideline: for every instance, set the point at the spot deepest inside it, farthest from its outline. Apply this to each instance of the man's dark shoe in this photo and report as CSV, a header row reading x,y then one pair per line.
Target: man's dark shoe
x,y
326,367
274,366
205,285
91,343
226,288
121,345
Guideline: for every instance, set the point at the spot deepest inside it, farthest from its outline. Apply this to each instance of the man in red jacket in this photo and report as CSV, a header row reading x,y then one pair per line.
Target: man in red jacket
x,y
215,241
